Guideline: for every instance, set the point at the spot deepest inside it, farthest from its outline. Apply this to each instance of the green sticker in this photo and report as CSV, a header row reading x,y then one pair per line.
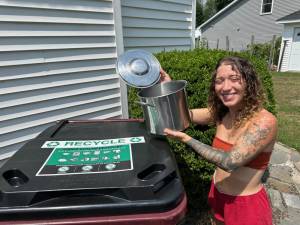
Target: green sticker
x,y
67,161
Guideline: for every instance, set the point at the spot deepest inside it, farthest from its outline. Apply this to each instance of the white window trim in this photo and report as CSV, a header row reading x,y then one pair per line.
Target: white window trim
x,y
261,7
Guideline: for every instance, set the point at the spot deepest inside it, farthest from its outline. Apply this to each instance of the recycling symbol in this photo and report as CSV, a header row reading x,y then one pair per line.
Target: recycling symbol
x,y
135,139
53,144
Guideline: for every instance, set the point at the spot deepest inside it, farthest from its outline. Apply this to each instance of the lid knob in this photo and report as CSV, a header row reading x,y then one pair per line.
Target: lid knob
x,y
139,66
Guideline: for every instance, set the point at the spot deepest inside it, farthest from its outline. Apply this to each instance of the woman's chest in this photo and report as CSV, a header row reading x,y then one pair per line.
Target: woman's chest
x,y
229,133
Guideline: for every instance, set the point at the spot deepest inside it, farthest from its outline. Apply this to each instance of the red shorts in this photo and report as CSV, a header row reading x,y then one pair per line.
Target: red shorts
x,y
240,210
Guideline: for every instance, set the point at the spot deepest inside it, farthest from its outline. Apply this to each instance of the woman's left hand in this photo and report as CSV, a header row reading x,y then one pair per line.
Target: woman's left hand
x,y
183,137
164,77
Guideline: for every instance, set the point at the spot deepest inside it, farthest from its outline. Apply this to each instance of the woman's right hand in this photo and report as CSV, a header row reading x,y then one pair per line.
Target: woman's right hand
x,y
164,77
178,135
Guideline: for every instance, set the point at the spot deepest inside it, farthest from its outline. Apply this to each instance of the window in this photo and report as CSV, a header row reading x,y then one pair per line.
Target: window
x,y
266,6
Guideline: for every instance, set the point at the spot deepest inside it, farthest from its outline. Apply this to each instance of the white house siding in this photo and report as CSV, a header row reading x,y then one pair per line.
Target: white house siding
x,y
158,25
57,61
287,37
243,20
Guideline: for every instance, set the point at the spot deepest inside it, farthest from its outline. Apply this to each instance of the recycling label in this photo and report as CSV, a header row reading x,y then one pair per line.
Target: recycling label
x,y
89,156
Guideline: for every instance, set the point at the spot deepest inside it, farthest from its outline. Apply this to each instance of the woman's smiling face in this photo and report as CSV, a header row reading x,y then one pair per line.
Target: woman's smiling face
x,y
230,86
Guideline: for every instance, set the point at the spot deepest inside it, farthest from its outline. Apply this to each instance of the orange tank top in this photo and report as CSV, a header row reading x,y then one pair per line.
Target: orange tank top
x,y
260,162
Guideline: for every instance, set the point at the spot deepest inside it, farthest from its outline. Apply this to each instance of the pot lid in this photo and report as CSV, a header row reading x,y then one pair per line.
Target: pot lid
x,y
138,68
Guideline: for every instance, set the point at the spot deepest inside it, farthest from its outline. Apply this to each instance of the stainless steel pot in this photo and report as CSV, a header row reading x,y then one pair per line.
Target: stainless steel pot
x,y
165,106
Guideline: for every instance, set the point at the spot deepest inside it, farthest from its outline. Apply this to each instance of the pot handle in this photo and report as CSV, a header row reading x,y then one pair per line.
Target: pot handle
x,y
144,104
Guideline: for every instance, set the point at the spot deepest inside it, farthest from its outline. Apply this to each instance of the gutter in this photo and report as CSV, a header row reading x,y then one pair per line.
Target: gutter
x,y
288,21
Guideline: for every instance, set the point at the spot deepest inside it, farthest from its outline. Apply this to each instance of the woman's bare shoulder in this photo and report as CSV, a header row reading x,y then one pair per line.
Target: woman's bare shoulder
x,y
258,135
264,121
264,116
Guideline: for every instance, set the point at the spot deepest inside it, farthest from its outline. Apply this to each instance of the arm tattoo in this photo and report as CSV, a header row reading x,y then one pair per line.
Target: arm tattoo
x,y
251,138
248,145
219,158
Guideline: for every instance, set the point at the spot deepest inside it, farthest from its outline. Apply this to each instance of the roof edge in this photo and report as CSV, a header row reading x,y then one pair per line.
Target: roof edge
x,y
218,13
288,21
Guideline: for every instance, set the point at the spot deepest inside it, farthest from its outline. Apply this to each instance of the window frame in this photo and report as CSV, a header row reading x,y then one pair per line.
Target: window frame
x,y
261,7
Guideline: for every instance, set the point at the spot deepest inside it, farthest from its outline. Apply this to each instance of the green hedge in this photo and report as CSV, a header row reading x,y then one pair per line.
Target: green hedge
x,y
196,67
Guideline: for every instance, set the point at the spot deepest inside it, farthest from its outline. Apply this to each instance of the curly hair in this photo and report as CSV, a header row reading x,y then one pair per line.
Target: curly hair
x,y
252,100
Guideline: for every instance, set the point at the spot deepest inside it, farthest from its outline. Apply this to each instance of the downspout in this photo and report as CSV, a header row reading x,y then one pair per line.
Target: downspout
x,y
193,24
282,54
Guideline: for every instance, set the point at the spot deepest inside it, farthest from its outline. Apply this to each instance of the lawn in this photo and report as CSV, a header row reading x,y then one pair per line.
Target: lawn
x,y
287,95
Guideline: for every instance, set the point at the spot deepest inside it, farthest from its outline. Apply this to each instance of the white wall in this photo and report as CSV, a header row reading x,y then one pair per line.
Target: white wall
x,y
57,61
158,25
243,21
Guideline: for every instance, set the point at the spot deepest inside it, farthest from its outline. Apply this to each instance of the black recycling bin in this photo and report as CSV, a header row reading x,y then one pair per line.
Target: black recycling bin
x,y
92,172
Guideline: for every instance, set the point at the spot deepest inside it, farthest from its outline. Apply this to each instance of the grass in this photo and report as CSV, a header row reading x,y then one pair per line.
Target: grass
x,y
287,95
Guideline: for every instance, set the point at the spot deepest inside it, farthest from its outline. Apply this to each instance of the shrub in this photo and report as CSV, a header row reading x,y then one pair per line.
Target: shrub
x,y
196,67
262,50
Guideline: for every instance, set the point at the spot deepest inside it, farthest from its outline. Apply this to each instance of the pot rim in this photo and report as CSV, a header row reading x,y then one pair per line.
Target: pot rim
x,y
159,96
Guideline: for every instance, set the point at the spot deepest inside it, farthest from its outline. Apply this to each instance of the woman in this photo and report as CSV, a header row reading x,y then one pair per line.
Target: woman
x,y
241,150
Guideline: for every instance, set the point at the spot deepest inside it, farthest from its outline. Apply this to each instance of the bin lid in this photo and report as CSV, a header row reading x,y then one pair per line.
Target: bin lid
x,y
138,68
109,167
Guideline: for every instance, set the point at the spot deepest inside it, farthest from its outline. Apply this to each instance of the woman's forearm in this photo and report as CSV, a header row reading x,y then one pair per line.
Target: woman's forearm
x,y
219,158
200,116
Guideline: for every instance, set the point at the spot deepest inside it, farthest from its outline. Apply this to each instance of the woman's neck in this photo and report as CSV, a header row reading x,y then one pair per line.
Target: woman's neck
x,y
232,115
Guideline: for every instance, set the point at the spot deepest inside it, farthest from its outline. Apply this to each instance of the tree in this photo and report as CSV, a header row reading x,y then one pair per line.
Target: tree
x,y
199,14
220,4
209,9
